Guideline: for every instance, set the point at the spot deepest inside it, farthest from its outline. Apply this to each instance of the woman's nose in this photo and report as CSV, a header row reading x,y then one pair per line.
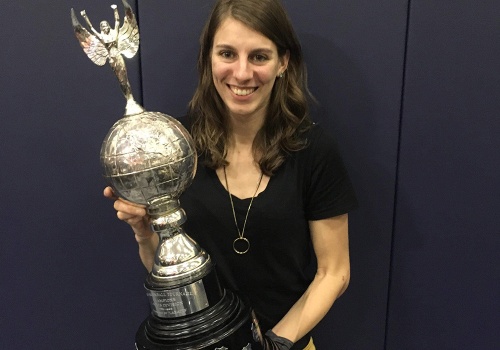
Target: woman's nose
x,y
243,70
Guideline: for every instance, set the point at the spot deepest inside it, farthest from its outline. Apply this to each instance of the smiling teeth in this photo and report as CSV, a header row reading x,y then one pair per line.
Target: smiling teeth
x,y
242,92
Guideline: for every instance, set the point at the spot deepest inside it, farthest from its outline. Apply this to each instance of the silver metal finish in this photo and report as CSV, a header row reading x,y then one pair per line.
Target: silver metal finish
x,y
148,158
109,45
178,302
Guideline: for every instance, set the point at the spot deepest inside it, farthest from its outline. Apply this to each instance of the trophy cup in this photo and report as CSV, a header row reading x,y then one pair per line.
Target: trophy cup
x,y
150,159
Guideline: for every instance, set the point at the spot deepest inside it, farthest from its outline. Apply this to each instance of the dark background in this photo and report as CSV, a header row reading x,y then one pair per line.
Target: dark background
x,y
411,90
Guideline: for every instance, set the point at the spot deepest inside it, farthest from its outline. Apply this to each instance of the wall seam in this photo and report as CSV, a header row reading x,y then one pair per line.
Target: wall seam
x,y
396,182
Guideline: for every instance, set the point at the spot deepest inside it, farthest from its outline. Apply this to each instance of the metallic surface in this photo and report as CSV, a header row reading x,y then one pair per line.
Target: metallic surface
x,y
180,301
229,324
149,159
109,45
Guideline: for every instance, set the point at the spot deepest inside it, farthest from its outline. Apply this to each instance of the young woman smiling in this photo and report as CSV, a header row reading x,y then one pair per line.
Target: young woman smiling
x,y
270,183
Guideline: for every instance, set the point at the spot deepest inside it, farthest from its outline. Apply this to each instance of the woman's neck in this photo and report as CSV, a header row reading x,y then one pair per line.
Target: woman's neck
x,y
243,131
243,169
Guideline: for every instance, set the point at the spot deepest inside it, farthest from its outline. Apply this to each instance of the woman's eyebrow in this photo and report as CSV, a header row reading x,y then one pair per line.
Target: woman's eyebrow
x,y
259,49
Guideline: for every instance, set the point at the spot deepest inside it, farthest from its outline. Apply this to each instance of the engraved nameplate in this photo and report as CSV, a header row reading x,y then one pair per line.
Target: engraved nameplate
x,y
178,302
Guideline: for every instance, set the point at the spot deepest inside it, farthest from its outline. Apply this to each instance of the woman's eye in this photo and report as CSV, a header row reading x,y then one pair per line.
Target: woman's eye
x,y
259,58
226,54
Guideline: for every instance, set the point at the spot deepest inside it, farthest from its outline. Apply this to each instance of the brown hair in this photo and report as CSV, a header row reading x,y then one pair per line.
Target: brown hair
x,y
287,114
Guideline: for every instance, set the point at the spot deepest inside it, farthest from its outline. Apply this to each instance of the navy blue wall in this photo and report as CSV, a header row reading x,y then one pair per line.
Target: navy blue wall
x,y
70,274
410,89
445,286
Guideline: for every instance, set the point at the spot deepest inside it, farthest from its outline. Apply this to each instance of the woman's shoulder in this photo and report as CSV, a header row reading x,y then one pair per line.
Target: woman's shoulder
x,y
318,139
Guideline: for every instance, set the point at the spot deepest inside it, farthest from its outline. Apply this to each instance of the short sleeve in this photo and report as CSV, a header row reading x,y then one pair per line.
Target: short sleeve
x,y
328,189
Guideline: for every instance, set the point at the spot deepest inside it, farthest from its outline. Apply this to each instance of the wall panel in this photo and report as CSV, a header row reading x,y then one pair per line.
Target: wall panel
x,y
446,267
70,277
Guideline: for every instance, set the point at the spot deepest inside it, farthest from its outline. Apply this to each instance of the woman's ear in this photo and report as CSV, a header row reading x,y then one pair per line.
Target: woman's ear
x,y
284,63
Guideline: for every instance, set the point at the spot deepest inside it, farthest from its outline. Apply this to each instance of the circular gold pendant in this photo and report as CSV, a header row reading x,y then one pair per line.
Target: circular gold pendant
x,y
241,245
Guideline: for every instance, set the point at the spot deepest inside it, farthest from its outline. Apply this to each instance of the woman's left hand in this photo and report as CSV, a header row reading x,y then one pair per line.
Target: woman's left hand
x,y
274,342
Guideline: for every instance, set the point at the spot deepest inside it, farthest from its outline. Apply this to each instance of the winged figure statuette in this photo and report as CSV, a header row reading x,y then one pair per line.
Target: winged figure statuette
x,y
111,44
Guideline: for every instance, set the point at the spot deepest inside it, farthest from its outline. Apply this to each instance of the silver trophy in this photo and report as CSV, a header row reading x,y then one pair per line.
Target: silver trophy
x,y
150,159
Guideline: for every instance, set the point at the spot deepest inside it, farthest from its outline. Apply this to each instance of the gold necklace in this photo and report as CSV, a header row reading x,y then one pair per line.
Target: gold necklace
x,y
241,242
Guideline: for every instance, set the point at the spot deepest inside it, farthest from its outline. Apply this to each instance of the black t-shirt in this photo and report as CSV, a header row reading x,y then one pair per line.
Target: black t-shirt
x,y
312,184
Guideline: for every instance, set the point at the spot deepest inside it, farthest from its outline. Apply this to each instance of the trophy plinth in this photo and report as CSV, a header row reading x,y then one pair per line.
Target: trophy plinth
x,y
228,321
149,158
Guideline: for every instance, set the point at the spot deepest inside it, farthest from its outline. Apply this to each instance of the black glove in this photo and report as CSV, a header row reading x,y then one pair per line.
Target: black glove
x,y
274,342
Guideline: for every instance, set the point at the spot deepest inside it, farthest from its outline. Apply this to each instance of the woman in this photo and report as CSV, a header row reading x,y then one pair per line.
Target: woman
x,y
270,183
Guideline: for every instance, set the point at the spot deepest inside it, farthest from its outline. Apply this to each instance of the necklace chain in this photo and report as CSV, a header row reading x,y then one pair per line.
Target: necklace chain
x,y
241,239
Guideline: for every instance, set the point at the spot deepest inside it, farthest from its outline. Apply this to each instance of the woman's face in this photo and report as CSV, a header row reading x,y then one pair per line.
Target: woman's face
x,y
245,65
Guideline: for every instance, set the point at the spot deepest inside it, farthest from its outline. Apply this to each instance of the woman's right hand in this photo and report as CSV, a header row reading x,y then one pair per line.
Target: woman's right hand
x,y
133,214
136,216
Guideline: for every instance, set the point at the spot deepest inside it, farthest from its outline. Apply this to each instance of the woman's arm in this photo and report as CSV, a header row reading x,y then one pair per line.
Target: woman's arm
x,y
331,246
137,218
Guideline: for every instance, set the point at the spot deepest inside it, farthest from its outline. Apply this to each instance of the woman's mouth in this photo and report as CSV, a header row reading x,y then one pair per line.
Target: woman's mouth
x,y
242,91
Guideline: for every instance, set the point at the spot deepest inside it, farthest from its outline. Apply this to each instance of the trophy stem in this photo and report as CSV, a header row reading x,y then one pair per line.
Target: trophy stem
x,y
179,260
182,280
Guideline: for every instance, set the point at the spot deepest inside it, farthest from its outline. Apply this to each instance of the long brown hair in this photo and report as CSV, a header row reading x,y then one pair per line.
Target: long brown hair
x,y
287,114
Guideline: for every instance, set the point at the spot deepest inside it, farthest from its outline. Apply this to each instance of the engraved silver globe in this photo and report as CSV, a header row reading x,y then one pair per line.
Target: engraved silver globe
x,y
148,158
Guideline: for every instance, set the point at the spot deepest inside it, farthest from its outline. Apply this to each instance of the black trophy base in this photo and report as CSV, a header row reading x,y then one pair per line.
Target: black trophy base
x,y
228,325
